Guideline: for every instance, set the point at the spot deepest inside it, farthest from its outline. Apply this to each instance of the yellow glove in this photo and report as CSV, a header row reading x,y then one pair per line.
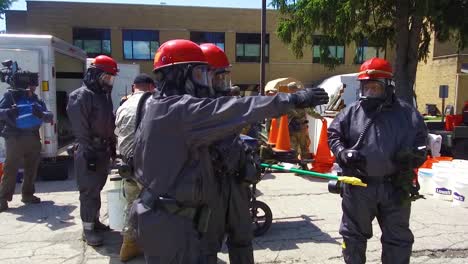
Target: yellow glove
x,y
352,180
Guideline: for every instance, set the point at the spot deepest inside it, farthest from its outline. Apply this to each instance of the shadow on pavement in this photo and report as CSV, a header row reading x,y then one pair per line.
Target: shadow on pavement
x,y
313,179
53,216
286,235
68,185
268,176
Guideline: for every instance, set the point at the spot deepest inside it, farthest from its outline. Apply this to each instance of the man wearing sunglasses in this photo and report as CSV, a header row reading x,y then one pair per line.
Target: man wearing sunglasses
x,y
91,114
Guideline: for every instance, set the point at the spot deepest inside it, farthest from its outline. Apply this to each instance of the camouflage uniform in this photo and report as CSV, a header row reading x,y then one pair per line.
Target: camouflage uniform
x,y
299,131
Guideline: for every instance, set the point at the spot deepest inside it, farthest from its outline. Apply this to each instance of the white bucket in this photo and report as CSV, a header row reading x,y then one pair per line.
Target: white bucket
x,y
442,175
426,182
460,164
115,208
115,181
460,191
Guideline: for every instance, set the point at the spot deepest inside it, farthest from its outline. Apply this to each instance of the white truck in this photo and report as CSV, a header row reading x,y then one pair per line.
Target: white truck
x,y
61,67
332,86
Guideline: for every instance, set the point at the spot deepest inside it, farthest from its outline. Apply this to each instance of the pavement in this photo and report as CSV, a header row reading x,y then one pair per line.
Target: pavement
x,y
304,230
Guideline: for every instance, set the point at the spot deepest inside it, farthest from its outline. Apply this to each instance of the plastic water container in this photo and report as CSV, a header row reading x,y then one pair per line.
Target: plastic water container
x,y
426,182
25,117
442,174
460,192
115,208
460,164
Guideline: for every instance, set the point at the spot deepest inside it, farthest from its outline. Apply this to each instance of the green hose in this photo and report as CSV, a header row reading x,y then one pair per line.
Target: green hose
x,y
346,179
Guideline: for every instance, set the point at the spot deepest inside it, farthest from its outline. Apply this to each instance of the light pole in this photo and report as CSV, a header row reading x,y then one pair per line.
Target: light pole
x,y
262,49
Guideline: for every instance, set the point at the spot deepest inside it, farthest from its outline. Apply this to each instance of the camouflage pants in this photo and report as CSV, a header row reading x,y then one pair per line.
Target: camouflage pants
x,y
299,142
131,191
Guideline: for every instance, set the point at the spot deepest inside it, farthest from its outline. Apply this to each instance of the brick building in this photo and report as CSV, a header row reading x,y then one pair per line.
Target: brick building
x,y
131,33
444,66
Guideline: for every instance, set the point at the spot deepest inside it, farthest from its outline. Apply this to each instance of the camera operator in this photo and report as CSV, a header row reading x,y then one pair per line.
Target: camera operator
x,y
21,116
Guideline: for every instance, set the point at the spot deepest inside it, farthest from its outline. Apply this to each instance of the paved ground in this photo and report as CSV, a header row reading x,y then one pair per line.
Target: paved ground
x,y
305,228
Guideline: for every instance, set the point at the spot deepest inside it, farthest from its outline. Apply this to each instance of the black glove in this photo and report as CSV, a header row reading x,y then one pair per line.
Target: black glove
x,y
113,148
12,112
113,152
309,97
37,111
351,158
407,159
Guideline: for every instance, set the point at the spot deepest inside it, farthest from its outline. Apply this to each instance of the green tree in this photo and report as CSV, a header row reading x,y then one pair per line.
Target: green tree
x,y
406,25
4,5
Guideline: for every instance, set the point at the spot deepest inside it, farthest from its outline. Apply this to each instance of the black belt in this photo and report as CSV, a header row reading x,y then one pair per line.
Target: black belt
x,y
200,216
100,140
376,179
167,204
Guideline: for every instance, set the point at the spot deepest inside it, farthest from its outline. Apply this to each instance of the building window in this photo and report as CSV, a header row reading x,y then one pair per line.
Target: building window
x,y
336,51
140,44
366,51
92,40
248,47
200,37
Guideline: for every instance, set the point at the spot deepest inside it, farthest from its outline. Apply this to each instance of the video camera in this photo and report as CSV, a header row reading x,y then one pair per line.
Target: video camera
x,y
13,75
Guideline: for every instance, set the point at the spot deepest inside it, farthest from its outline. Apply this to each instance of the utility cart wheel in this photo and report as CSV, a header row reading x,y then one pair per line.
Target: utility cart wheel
x,y
261,217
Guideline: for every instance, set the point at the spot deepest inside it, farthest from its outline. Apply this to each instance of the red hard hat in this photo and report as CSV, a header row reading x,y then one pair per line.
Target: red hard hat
x,y
178,51
375,68
105,63
215,56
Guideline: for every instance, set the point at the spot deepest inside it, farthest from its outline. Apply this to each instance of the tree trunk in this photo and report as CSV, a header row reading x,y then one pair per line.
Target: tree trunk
x,y
414,41
404,87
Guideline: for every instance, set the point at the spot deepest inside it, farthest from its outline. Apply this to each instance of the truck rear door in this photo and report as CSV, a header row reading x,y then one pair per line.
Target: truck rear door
x,y
29,60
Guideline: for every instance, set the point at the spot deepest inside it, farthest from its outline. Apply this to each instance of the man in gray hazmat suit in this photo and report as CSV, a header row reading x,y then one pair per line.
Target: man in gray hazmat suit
x,y
172,158
234,167
91,114
381,140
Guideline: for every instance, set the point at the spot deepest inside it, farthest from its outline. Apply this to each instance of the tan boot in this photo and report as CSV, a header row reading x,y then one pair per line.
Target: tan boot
x,y
129,249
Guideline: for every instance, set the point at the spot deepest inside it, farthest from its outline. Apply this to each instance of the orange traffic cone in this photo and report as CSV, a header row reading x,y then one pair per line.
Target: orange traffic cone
x,y
273,136
323,161
283,143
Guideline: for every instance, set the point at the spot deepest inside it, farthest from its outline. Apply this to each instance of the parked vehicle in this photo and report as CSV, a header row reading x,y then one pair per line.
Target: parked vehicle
x,y
61,67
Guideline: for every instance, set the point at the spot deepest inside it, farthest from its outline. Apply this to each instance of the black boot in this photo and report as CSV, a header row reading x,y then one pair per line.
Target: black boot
x,y
3,205
98,226
92,238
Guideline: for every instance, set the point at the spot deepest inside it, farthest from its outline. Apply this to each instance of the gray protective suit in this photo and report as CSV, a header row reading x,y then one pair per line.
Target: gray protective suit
x,y
396,128
92,120
230,211
173,163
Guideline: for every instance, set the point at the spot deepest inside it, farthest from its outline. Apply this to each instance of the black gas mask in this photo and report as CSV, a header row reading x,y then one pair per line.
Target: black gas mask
x,y
99,81
375,93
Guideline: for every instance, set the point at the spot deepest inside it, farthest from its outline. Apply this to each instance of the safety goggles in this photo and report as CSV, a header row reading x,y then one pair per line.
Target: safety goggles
x,y
373,89
107,79
221,80
199,74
